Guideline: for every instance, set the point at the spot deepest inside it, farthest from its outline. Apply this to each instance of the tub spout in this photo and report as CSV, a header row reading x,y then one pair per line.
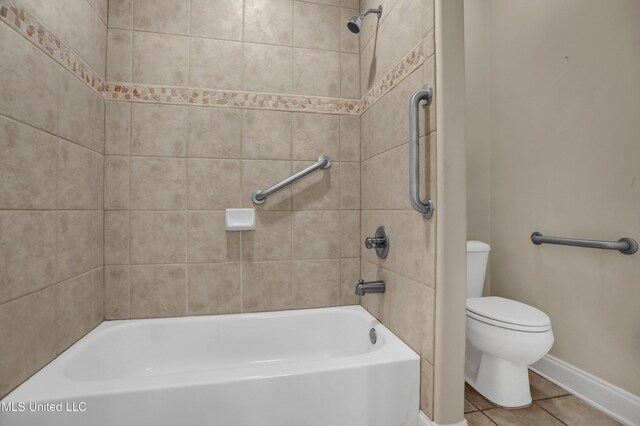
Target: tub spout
x,y
363,288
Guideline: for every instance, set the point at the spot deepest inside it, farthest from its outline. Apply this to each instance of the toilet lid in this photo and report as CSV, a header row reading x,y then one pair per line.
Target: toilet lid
x,y
507,313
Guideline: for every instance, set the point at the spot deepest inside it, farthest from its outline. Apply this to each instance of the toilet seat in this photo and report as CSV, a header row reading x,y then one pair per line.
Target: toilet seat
x,y
509,314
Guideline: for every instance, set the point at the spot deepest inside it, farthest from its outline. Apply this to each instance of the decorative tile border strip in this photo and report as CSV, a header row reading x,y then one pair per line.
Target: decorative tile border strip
x,y
27,25
228,98
405,67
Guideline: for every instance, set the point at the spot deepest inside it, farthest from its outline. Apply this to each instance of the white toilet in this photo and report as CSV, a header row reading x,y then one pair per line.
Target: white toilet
x,y
503,338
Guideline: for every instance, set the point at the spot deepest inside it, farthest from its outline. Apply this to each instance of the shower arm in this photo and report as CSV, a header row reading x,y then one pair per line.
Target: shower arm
x,y
377,11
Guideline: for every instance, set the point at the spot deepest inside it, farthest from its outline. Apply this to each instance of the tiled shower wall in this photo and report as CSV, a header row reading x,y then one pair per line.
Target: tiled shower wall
x,y
408,305
172,170
51,189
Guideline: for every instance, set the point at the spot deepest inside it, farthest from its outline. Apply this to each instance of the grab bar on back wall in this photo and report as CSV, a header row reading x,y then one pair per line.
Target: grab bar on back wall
x,y
259,197
421,97
623,245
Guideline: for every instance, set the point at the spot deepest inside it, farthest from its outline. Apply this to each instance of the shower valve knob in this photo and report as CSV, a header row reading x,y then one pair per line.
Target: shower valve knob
x,y
379,242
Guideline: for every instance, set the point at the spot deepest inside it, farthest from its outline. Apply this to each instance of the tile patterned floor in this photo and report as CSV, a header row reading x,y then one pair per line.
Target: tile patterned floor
x,y
552,406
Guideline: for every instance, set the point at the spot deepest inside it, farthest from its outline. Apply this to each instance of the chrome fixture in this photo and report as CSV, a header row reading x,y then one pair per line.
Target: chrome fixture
x,y
355,23
421,97
623,245
380,242
259,197
363,288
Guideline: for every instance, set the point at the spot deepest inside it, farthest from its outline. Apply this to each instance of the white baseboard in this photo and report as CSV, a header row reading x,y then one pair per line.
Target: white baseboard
x,y
610,399
423,420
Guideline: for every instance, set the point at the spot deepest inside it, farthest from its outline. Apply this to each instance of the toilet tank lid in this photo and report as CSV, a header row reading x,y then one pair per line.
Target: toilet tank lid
x,y
508,311
473,245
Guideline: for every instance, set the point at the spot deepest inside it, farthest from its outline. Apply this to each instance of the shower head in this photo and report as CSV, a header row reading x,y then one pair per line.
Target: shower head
x,y
355,22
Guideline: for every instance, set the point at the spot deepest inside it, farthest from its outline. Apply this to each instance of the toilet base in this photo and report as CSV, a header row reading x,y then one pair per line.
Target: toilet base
x,y
500,381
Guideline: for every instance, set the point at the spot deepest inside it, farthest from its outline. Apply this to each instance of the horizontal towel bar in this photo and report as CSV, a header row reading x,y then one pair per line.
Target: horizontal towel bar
x,y
623,245
259,197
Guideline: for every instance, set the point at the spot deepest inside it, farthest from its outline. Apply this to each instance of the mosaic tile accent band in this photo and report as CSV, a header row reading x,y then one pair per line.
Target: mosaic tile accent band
x,y
49,43
24,23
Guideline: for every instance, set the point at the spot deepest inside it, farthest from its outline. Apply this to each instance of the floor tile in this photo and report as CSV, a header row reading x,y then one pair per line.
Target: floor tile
x,y
542,388
469,407
575,412
476,399
530,416
478,419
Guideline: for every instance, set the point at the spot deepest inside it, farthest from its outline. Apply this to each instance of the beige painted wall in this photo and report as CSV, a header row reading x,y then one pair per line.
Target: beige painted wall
x,y
171,171
565,149
51,178
408,306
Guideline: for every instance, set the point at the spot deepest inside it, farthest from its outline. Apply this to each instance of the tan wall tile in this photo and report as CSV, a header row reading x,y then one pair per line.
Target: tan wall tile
x,y
162,16
28,337
268,68
116,292
158,291
75,243
116,189
27,252
350,233
266,286
268,21
350,274
83,31
411,308
324,33
97,277
116,237
271,240
350,186
318,191
349,76
316,72
121,14
46,11
214,289
158,183
80,113
74,310
77,175
119,55
215,64
117,128
27,167
170,68
208,241
260,175
97,238
266,135
316,283
214,132
426,388
159,130
157,237
316,234
315,135
27,70
221,19
349,138
214,184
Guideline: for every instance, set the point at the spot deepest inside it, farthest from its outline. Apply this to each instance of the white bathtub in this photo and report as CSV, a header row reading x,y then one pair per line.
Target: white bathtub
x,y
313,367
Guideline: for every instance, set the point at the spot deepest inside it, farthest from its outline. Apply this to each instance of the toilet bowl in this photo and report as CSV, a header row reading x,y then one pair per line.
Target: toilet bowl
x,y
503,338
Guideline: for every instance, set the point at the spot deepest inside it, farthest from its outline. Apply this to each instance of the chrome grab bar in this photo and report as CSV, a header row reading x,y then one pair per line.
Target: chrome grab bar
x,y
259,197
421,97
623,245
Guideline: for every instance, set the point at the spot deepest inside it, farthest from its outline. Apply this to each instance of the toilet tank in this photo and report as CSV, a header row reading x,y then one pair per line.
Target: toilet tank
x,y
477,257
